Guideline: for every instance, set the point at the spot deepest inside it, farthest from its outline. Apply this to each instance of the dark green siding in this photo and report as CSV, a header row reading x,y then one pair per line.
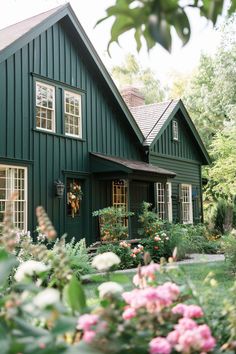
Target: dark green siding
x,y
57,59
183,158
185,148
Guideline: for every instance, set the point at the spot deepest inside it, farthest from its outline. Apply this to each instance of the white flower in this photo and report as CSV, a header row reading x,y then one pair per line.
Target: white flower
x,y
46,297
29,268
109,288
105,261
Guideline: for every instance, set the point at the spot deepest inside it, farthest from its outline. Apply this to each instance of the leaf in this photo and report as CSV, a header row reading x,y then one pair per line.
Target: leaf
x,y
64,324
160,32
4,340
82,348
7,262
74,295
137,37
182,26
28,329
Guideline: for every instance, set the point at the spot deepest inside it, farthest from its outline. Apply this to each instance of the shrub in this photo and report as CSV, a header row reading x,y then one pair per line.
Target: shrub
x,y
150,225
112,222
229,249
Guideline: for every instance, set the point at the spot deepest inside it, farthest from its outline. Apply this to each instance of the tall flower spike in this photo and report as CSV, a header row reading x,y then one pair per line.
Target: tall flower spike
x,y
9,232
45,224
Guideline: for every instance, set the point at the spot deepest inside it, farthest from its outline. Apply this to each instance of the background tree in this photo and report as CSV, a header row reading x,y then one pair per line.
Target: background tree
x,y
130,73
154,19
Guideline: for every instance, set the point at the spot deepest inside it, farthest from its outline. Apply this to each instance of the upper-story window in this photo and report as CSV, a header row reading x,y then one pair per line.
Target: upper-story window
x,y
45,107
72,114
175,130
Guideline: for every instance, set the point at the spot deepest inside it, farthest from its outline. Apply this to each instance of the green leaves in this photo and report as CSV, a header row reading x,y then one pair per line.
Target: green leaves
x,y
74,295
7,262
153,19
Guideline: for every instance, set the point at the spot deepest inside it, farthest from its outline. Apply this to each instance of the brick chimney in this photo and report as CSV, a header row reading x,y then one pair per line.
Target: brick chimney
x,y
132,96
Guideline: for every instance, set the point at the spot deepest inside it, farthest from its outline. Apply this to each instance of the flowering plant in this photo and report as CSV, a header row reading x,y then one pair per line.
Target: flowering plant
x,y
152,318
74,196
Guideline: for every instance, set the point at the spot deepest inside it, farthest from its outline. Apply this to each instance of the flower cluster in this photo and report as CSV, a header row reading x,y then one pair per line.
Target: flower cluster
x,y
145,275
125,244
105,261
137,250
87,324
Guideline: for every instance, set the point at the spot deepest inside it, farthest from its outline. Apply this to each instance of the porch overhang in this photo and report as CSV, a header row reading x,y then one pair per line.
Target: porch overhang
x,y
107,164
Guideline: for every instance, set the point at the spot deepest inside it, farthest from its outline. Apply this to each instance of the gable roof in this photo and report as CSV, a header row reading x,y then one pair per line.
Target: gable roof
x,y
14,37
154,118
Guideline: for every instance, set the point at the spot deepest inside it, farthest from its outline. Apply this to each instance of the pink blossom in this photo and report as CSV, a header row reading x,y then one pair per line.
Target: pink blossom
x,y
189,339
209,344
159,345
189,311
205,331
129,313
150,270
89,336
173,337
87,321
185,324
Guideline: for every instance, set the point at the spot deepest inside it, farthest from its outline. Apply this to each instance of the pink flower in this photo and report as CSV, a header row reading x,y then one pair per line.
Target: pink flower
x,y
173,337
159,345
209,344
87,321
205,331
129,313
185,324
189,311
89,336
189,339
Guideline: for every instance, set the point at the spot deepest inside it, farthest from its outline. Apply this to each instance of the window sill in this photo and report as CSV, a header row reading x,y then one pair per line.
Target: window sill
x,y
47,132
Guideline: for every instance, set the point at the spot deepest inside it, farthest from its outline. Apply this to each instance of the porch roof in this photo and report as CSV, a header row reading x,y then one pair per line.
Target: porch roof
x,y
112,163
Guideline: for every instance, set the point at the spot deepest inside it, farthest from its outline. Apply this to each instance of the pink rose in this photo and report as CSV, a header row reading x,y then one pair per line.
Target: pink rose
x,y
159,345
129,313
87,321
173,337
209,344
89,336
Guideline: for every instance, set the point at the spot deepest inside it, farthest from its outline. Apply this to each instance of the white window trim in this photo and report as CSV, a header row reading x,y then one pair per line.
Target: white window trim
x,y
175,130
25,189
190,203
53,130
79,136
160,213
169,202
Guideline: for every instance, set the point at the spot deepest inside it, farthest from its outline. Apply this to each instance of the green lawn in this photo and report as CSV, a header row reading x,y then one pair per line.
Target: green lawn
x,y
195,273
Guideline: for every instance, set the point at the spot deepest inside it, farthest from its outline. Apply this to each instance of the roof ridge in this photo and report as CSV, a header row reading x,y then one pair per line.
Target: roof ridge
x,y
159,118
156,103
28,18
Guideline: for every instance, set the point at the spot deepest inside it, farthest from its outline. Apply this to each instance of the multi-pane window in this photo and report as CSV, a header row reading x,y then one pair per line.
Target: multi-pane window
x,y
160,188
119,193
14,179
169,200
175,130
45,107
72,115
187,209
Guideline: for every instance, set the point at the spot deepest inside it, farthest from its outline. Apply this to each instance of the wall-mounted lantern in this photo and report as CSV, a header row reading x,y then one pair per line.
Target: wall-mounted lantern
x,y
59,186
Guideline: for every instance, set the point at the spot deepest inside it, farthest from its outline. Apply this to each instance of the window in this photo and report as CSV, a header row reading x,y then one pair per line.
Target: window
x,y
169,201
119,193
175,130
72,115
45,107
187,209
160,187
14,179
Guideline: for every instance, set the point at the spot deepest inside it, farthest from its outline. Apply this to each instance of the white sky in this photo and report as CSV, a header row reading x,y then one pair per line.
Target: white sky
x,y
204,38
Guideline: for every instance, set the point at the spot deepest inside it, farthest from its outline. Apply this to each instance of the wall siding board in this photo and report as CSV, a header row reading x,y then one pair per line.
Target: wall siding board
x,y
54,56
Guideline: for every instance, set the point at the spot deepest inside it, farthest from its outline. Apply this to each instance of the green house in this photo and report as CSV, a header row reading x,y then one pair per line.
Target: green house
x,y
69,142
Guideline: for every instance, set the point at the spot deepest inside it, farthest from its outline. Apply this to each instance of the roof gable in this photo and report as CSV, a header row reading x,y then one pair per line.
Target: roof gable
x,y
153,119
31,28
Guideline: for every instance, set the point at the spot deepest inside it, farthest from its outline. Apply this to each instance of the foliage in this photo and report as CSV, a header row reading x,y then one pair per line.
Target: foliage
x,y
229,248
154,19
131,73
149,222
112,222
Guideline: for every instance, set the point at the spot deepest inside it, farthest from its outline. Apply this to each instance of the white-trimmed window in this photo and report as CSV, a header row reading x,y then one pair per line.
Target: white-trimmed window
x,y
160,189
45,107
73,123
175,130
169,201
14,179
187,207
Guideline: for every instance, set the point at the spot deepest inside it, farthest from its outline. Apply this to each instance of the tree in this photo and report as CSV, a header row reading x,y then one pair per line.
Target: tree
x,y
131,73
154,19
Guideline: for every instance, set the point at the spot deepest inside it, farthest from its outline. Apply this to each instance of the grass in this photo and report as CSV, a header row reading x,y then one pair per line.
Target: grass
x,y
195,274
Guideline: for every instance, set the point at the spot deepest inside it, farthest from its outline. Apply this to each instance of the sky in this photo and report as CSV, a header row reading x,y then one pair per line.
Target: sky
x,y
182,59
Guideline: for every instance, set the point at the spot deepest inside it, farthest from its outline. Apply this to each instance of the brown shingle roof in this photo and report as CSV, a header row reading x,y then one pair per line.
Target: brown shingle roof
x,y
138,166
10,34
150,118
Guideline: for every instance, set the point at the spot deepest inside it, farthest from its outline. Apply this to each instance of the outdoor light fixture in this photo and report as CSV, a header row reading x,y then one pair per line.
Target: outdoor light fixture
x,y
59,188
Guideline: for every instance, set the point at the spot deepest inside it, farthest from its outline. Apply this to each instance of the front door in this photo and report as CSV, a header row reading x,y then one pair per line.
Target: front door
x,y
139,193
75,209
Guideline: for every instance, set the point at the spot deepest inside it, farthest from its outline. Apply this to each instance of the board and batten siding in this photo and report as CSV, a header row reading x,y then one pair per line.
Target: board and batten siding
x,y
183,158
57,58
